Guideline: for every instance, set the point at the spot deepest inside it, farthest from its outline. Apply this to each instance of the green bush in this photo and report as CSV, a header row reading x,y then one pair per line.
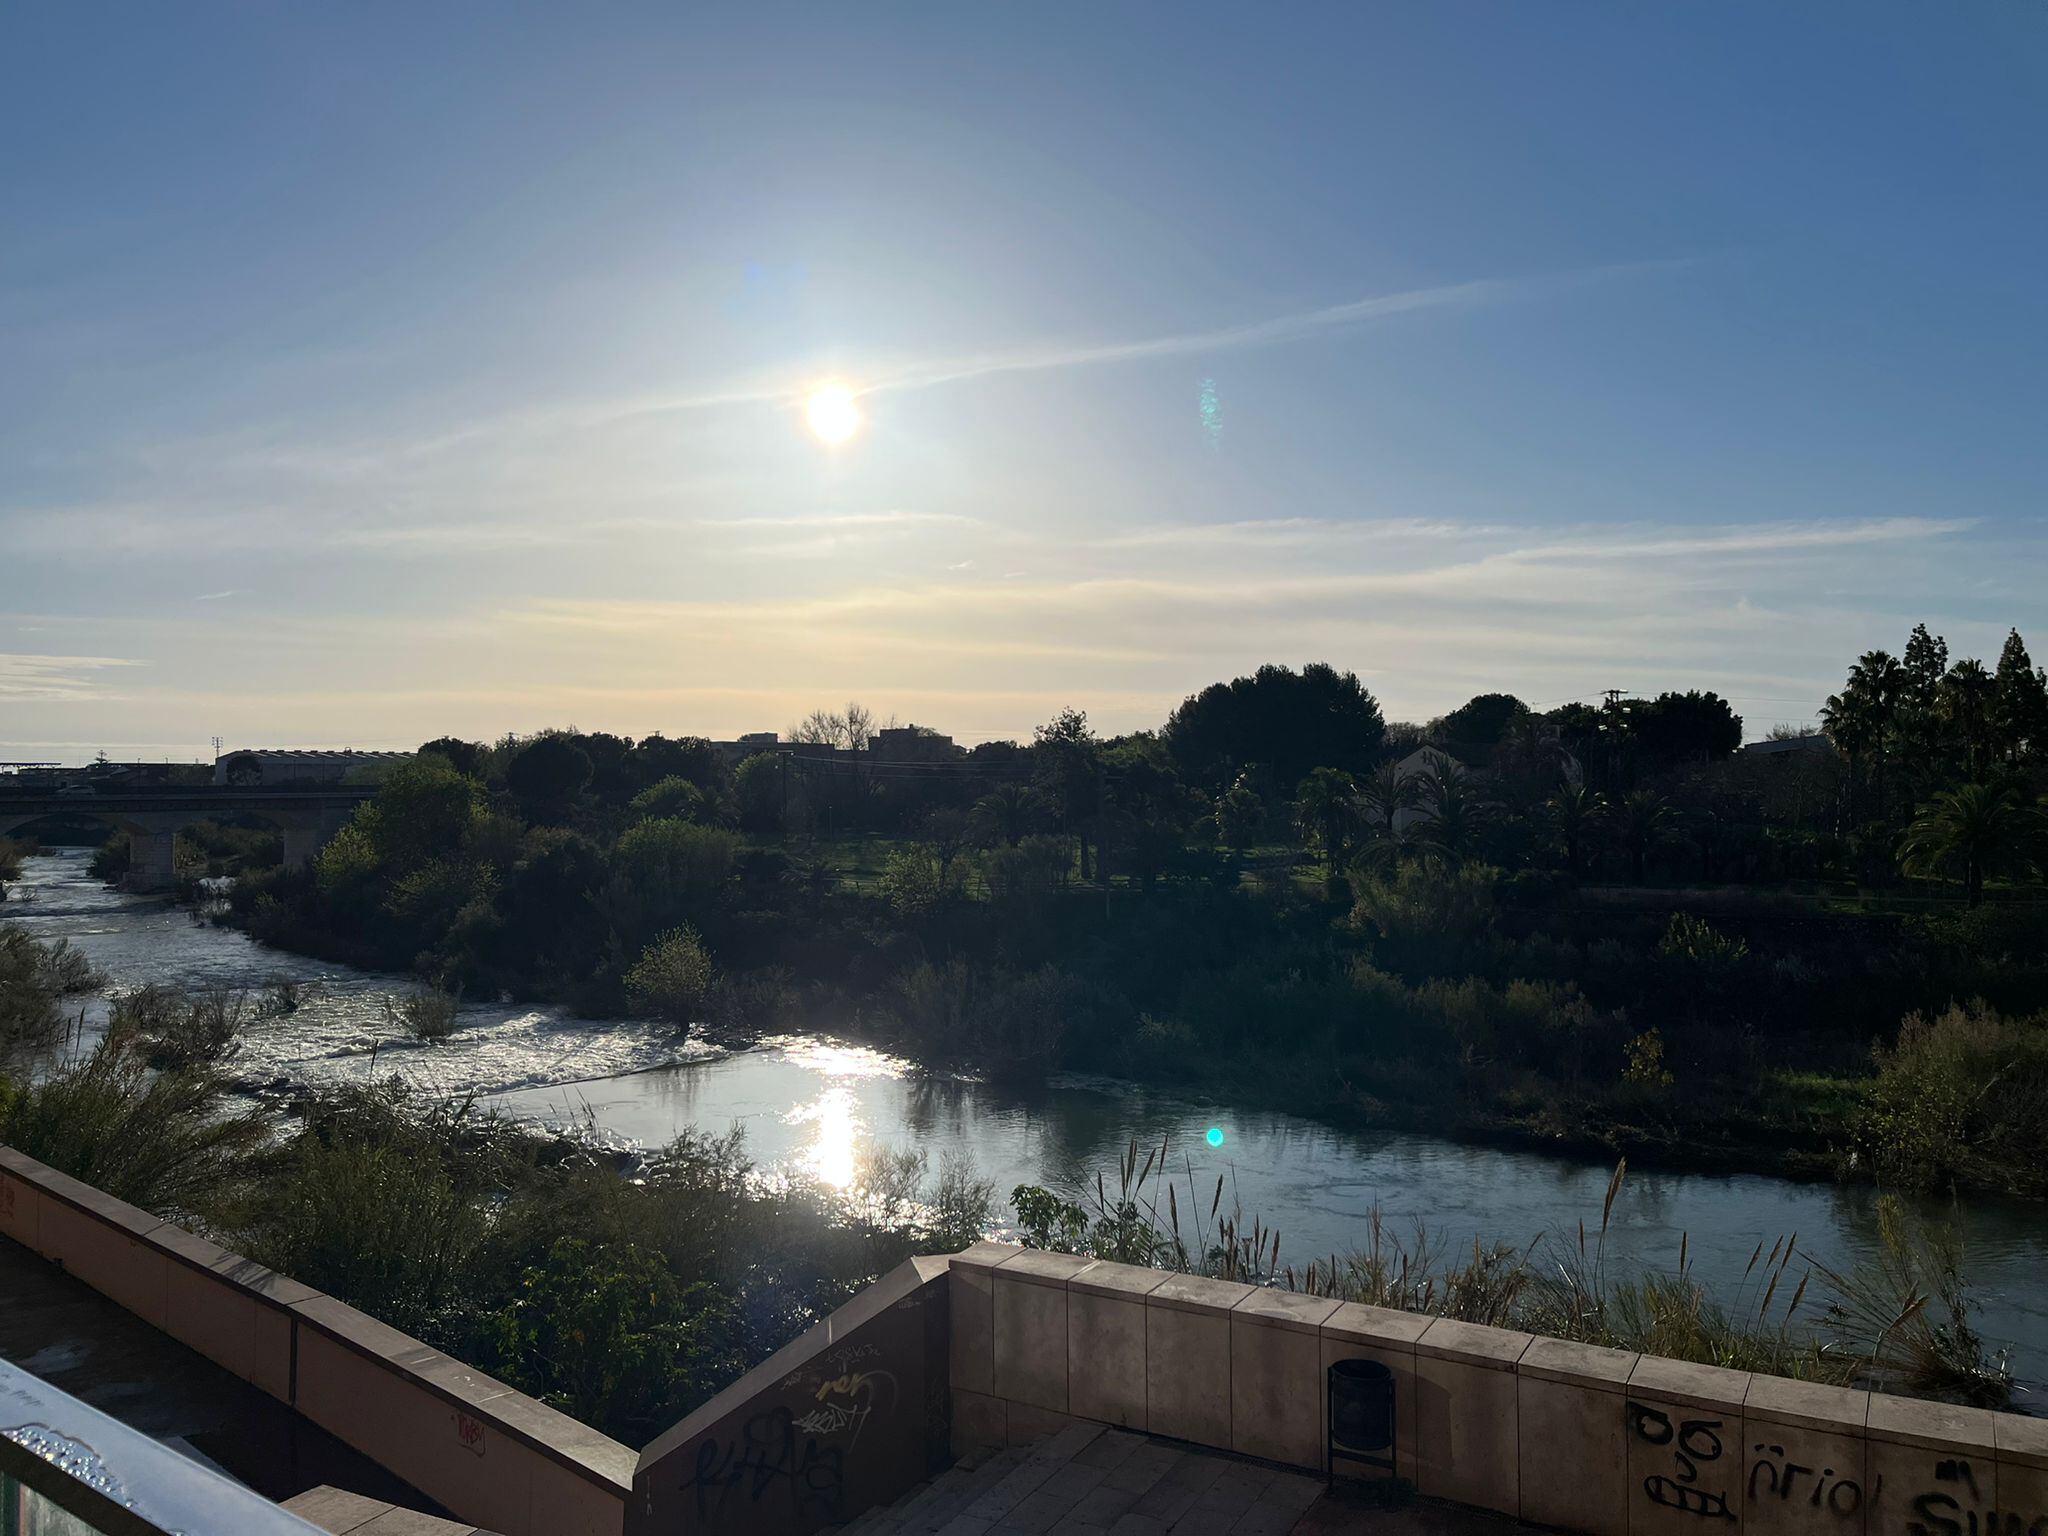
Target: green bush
x,y
160,1140
1960,1094
672,979
606,1334
176,1031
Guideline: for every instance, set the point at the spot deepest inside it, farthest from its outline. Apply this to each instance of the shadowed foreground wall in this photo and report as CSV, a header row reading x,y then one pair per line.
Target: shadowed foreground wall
x,y
497,1458
849,1416
1000,1345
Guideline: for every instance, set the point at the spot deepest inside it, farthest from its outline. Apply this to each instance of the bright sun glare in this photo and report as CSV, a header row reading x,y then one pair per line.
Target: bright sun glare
x,y
832,415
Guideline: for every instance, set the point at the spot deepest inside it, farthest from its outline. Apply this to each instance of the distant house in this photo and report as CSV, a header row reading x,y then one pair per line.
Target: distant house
x,y
750,745
289,767
912,744
1815,741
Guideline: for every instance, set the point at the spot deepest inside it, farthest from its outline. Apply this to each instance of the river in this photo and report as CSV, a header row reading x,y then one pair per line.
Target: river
x,y
812,1103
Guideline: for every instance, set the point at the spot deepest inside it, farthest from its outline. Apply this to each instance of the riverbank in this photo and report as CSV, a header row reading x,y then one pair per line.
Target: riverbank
x,y
812,1102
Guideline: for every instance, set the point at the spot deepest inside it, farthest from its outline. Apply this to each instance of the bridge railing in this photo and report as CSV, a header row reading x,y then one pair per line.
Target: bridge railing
x,y
69,1470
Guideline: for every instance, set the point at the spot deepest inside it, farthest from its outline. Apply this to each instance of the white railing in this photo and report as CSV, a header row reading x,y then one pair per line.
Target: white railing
x,y
69,1470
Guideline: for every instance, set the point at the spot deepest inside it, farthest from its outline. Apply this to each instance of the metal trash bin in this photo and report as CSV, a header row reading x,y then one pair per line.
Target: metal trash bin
x,y
1361,1414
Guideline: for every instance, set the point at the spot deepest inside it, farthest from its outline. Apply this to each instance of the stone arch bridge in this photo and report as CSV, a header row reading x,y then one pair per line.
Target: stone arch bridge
x,y
152,817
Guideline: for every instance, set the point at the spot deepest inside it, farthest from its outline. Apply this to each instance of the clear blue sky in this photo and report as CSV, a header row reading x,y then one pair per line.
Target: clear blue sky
x,y
373,370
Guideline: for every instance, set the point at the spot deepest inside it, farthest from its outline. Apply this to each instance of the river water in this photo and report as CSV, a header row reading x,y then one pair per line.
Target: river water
x,y
812,1104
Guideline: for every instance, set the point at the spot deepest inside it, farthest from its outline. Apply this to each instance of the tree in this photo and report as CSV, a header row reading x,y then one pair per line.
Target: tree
x,y
1919,720
761,784
1289,721
1575,815
1476,727
467,756
1973,831
1008,814
1326,809
1966,701
1239,815
548,773
674,796
1066,760
1454,815
666,874
2019,702
424,811
1638,826
1676,728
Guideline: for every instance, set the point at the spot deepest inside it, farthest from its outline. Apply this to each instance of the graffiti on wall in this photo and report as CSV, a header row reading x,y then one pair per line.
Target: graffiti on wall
x,y
1694,1443
1772,1475
769,1458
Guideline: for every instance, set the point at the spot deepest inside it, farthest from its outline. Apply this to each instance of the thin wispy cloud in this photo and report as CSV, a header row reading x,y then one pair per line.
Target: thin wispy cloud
x,y
214,597
1277,330
49,678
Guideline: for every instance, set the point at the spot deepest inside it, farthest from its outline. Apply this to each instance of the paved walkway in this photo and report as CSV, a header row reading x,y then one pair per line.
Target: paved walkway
x,y
1091,1481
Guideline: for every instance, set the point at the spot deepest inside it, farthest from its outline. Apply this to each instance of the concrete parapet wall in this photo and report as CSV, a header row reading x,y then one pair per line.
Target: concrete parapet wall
x,y
851,1415
1550,1432
497,1458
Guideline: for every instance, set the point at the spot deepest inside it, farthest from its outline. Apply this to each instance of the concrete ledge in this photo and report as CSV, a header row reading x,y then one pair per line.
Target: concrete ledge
x,y
501,1459
1188,1356
1106,1352
1030,1334
1278,1402
1931,1463
1573,1455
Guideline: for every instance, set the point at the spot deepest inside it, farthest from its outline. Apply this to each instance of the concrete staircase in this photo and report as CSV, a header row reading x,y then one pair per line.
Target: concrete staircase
x,y
1089,1479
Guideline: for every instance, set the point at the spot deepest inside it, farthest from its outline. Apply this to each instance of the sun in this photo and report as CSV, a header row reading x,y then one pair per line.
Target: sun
x,y
831,414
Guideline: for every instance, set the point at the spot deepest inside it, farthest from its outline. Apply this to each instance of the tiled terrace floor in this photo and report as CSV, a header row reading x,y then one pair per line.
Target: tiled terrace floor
x,y
1090,1481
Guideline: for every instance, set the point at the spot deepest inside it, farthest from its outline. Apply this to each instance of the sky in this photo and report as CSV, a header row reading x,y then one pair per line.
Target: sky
x,y
378,371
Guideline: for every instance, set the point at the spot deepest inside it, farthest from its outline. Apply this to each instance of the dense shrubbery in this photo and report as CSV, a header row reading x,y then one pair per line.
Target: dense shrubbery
x,y
35,981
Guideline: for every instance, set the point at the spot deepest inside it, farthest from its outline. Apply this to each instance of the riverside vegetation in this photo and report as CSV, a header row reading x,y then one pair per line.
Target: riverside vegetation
x,y
1600,928
626,1294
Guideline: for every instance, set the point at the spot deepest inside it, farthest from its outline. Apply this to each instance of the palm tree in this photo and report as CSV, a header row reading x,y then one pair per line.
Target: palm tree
x,y
1976,830
1455,816
1008,813
1326,809
1575,813
1965,701
1638,826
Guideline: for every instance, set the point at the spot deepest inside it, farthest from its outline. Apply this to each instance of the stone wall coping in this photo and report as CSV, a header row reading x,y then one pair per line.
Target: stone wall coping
x,y
359,1331
1196,1293
1807,1405
1493,1349
1933,1426
263,1281
1381,1327
1578,1365
1037,1266
1105,1279
1291,1310
985,1255
82,1196
2022,1442
188,1248
1689,1385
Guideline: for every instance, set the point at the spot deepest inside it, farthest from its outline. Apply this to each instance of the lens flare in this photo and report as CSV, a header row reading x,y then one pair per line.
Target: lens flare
x,y
1215,1136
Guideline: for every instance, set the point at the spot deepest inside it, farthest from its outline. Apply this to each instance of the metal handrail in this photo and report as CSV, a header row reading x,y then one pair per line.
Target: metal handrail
x,y
116,1479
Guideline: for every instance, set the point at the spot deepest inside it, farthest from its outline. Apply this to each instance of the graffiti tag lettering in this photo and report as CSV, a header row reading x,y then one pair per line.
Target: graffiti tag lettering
x,y
470,1432
1779,1478
769,1455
